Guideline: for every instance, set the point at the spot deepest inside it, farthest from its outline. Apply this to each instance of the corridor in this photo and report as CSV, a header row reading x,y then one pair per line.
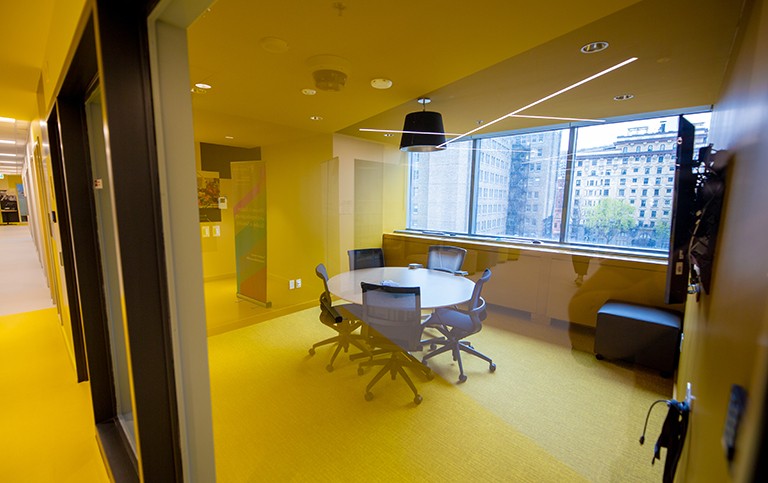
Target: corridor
x,y
47,432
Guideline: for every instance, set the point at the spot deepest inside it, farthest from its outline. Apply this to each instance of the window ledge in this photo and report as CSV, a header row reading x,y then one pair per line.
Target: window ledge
x,y
541,246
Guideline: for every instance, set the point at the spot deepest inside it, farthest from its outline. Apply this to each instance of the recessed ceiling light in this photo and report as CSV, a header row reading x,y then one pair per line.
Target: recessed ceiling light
x,y
274,45
623,97
309,92
316,118
388,135
381,83
202,85
229,137
594,47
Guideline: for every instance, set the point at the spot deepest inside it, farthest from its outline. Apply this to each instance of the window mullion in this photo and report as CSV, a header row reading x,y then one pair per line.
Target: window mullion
x,y
567,188
473,183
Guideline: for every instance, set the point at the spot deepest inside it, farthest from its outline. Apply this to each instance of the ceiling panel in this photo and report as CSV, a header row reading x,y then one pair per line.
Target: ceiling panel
x,y
475,61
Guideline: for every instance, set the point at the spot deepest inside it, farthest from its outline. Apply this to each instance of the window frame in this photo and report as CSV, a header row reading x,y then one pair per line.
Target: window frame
x,y
568,199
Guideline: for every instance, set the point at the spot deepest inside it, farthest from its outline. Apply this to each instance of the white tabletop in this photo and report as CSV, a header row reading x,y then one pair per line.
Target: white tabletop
x,y
438,289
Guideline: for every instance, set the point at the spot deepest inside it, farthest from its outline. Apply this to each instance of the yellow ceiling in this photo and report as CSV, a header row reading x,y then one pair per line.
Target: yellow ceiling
x,y
476,61
25,27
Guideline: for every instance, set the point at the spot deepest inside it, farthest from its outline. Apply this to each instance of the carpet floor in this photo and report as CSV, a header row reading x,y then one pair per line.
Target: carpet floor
x,y
550,412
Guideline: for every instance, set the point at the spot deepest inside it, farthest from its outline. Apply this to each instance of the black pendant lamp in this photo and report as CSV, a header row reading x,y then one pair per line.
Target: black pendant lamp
x,y
423,131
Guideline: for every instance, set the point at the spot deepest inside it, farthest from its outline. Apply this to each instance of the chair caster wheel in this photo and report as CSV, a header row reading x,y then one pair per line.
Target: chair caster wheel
x,y
599,357
430,375
311,351
360,371
432,346
462,378
425,361
417,400
368,396
329,368
492,367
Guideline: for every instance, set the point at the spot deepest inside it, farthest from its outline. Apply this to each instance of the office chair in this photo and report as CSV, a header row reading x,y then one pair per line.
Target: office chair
x,y
393,319
446,259
365,258
456,325
343,318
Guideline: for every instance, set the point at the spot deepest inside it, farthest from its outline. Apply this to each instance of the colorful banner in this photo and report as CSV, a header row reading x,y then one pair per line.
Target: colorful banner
x,y
249,200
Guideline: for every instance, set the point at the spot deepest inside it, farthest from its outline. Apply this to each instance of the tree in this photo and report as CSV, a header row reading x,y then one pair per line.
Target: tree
x,y
610,217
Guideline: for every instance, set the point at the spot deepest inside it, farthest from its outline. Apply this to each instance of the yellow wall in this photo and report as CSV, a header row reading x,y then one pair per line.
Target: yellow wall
x,y
394,182
69,20
726,331
310,195
9,182
219,251
295,217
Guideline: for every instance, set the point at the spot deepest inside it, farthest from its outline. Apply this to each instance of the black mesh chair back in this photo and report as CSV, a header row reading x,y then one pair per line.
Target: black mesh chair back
x,y
365,258
343,318
476,304
446,258
392,316
394,313
322,274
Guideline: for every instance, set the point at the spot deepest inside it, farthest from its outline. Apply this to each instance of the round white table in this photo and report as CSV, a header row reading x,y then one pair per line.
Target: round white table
x,y
438,289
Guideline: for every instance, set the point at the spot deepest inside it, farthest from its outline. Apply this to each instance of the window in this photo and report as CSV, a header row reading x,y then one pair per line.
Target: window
x,y
440,192
531,199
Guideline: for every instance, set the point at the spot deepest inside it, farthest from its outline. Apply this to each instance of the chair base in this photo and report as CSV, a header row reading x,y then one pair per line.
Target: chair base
x,y
395,364
343,340
456,347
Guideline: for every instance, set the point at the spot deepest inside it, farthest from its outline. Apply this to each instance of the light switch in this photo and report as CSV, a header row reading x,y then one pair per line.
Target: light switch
x,y
206,231
216,230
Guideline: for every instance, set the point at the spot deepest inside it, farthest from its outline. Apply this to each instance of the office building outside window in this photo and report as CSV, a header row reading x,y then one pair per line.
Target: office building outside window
x,y
612,219
440,189
518,189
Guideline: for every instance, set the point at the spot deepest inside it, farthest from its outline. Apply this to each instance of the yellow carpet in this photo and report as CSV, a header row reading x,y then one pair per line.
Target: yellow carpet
x,y
47,432
549,413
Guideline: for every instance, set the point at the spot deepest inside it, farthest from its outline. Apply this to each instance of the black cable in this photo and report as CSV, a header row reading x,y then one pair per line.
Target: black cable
x,y
645,426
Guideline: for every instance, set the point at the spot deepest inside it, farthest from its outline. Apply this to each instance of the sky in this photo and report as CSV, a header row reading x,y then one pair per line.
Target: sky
x,y
606,134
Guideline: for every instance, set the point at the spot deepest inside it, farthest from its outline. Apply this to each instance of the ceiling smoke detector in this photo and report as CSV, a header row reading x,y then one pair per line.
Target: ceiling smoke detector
x,y
329,72
329,79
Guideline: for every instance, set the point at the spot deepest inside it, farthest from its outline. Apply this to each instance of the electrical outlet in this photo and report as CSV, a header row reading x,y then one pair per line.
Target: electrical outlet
x,y
298,283
216,230
206,231
291,284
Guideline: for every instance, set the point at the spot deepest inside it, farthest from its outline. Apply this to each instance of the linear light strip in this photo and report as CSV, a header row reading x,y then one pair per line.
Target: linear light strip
x,y
7,141
8,155
406,132
546,98
556,118
7,119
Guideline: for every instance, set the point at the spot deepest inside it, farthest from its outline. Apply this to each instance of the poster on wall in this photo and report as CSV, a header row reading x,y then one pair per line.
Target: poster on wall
x,y
249,203
208,192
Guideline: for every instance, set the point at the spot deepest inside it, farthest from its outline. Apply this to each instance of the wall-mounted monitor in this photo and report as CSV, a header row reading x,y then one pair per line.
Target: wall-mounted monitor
x,y
683,215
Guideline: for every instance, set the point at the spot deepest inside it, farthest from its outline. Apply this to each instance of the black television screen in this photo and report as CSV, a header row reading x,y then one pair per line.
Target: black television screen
x,y
683,216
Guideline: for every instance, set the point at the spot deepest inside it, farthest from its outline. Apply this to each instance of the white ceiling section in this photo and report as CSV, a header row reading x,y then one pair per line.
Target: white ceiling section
x,y
476,61
13,139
